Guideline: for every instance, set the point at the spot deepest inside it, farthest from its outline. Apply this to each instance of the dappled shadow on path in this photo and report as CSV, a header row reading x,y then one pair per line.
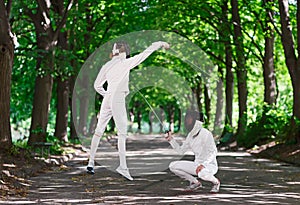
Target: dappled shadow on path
x,y
245,180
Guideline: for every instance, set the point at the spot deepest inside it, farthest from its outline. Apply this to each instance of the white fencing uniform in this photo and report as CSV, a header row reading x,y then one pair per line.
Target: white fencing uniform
x,y
116,73
201,142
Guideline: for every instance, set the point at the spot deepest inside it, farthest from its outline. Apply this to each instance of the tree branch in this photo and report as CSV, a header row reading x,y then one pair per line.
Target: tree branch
x,y
106,30
4,24
8,7
298,31
215,56
35,18
63,20
29,13
98,20
261,57
275,27
43,7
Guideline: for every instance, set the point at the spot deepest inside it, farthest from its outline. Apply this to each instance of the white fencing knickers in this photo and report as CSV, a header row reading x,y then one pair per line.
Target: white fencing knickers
x,y
112,106
187,170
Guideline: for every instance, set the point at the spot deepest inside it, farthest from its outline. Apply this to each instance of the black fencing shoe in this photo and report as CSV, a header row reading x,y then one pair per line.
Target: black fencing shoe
x,y
90,170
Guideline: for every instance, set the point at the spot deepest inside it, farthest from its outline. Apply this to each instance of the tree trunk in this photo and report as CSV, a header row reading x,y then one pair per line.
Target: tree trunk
x,y
296,84
162,116
46,41
62,106
151,120
207,100
93,125
198,92
170,117
63,90
112,125
291,60
219,106
6,63
139,120
84,100
72,104
179,119
268,65
229,88
44,80
41,102
131,118
73,133
240,70
83,111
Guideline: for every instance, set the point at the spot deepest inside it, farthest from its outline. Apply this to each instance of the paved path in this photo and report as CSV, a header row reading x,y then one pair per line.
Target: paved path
x,y
245,180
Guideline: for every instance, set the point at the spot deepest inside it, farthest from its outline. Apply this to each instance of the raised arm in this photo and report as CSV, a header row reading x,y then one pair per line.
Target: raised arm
x,y
139,58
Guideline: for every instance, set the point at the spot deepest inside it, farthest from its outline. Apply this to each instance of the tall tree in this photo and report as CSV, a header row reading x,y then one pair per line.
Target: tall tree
x,y
268,59
6,63
292,61
62,80
241,70
46,41
90,31
220,100
225,33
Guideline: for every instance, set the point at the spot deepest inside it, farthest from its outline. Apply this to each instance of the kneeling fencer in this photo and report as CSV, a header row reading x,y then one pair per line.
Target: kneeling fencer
x,y
116,73
201,142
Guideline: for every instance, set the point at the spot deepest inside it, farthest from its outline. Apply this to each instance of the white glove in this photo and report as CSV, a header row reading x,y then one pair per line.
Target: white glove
x,y
165,45
168,136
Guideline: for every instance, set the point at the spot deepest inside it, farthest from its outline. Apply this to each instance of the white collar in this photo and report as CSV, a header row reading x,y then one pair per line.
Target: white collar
x,y
120,56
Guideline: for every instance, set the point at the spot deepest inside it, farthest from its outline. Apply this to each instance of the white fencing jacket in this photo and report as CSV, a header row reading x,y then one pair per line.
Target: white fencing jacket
x,y
116,71
201,143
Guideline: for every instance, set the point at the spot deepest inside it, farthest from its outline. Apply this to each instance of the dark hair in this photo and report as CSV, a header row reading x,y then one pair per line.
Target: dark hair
x,y
123,47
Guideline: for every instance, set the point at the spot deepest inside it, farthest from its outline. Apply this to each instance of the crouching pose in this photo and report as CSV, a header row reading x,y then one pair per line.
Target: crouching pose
x,y
116,73
201,142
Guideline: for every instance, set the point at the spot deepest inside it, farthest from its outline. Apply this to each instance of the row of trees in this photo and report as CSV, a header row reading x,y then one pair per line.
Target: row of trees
x,y
49,40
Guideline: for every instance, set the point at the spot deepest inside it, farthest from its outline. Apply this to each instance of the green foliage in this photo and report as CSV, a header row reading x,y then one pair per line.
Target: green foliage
x,y
75,141
270,125
290,131
92,23
228,134
21,144
20,147
14,151
56,148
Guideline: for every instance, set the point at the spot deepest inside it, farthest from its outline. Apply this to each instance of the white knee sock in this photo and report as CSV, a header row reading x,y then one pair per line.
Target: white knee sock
x,y
93,150
122,151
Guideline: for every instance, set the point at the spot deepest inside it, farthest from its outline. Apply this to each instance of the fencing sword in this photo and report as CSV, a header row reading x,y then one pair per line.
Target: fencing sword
x,y
188,61
152,109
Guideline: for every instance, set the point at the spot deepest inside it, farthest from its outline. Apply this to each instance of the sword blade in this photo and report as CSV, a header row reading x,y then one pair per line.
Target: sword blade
x,y
155,114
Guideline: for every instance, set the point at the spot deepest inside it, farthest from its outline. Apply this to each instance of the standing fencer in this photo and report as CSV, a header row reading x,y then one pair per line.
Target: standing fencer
x,y
116,73
201,142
